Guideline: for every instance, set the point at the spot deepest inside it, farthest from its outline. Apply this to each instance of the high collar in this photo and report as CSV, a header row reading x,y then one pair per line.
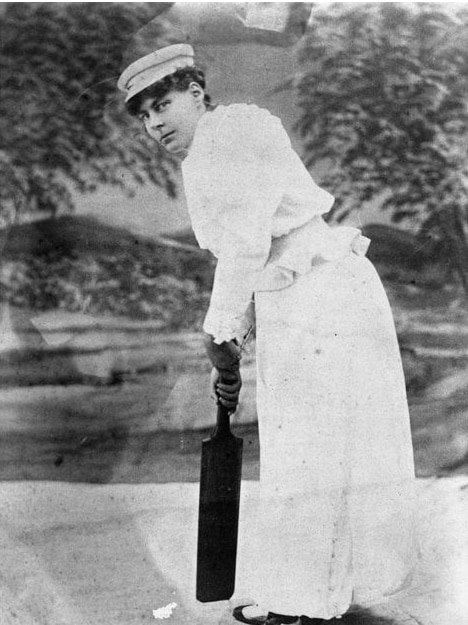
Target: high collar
x,y
202,124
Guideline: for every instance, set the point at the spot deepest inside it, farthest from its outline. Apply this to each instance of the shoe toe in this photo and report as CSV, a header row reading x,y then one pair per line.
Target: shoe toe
x,y
239,616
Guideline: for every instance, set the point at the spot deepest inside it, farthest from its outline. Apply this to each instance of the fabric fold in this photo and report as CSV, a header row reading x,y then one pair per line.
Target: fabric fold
x,y
315,243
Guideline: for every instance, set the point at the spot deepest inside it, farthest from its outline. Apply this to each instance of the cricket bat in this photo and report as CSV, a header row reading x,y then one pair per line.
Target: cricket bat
x,y
220,481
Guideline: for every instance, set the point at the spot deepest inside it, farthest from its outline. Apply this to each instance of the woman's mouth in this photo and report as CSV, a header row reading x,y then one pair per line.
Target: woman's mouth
x,y
167,137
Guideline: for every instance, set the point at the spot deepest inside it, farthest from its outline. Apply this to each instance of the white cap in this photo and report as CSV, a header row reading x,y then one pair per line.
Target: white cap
x,y
152,67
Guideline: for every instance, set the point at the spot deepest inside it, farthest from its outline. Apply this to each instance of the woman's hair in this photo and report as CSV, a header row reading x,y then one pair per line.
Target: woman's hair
x,y
178,81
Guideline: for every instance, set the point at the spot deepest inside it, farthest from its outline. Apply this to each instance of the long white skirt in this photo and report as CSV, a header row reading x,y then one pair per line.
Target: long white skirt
x,y
335,511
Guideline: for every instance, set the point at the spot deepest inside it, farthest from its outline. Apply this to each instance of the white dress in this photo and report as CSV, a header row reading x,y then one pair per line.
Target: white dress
x,y
335,515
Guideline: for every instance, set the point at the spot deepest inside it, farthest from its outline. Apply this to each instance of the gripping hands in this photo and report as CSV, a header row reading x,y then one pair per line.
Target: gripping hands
x,y
226,380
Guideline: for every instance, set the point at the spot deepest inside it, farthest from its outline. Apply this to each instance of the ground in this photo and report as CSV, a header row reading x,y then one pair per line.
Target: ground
x,y
82,554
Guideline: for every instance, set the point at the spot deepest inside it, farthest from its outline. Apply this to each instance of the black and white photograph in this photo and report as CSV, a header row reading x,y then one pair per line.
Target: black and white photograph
x,y
234,313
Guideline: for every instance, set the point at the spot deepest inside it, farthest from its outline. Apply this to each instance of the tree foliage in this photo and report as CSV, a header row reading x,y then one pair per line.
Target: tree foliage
x,y
62,121
78,264
383,95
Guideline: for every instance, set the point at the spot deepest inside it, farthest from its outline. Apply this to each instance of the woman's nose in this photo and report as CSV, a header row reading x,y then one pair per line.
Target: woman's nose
x,y
155,121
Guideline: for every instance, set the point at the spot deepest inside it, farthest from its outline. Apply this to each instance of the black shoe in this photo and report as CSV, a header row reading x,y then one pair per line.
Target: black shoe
x,y
273,620
280,619
257,620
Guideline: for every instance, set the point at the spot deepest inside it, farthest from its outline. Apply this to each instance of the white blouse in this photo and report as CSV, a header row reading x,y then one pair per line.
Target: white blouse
x,y
254,205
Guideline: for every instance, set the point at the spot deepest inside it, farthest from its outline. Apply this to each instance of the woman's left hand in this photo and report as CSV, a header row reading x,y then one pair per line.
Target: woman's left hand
x,y
225,388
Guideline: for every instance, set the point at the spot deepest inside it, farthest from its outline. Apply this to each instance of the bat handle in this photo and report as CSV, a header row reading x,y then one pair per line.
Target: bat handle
x,y
223,425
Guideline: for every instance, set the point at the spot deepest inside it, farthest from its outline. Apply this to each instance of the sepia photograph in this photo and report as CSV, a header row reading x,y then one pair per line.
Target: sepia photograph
x,y
234,313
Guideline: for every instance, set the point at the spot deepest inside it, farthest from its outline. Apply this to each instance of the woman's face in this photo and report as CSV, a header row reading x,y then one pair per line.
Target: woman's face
x,y
172,119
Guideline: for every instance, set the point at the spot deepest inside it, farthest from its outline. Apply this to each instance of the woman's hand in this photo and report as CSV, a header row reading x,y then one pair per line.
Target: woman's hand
x,y
225,388
224,356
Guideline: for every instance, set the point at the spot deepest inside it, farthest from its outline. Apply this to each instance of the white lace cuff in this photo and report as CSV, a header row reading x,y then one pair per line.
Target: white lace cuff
x,y
224,326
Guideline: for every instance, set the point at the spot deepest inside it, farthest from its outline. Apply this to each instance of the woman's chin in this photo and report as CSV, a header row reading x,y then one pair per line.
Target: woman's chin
x,y
176,150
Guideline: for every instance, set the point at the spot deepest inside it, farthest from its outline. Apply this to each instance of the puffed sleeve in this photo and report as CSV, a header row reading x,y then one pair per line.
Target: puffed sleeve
x,y
246,184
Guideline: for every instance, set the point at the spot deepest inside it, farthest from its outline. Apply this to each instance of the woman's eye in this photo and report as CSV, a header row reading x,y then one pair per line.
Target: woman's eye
x,y
160,106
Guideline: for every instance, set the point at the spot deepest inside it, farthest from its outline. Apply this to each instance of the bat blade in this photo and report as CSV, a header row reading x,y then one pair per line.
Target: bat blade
x,y
220,481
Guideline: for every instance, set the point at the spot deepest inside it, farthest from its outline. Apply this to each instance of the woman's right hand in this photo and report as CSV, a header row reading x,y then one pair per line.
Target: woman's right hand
x,y
225,388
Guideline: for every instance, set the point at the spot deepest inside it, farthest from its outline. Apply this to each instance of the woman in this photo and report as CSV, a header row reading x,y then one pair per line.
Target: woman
x,y
334,521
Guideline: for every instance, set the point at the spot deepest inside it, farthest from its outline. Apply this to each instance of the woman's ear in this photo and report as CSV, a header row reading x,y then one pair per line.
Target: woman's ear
x,y
197,92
